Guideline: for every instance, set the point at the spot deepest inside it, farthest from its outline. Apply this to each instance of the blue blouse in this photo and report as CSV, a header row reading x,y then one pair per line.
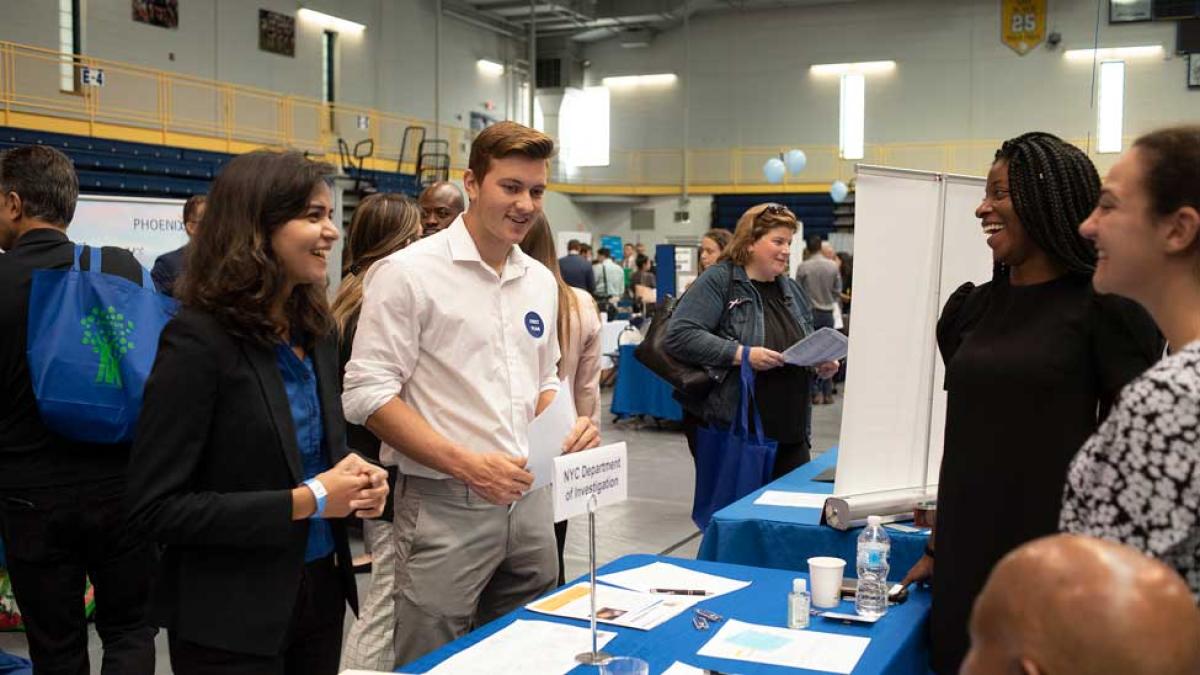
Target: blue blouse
x,y
300,381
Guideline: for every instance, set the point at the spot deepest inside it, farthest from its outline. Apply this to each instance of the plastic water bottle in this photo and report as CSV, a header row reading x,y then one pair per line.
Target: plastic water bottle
x,y
873,548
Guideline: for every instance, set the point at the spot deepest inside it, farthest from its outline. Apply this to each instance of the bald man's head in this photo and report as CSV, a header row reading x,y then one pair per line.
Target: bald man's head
x,y
1071,604
440,204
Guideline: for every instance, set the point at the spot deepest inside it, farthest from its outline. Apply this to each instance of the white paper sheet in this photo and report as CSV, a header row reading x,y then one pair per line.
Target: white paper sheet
x,y
824,345
680,668
805,500
547,432
615,606
526,647
660,575
810,649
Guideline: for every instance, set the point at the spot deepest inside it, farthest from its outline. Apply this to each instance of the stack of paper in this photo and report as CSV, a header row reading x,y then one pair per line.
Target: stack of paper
x,y
824,345
615,606
547,432
809,649
661,577
805,500
526,647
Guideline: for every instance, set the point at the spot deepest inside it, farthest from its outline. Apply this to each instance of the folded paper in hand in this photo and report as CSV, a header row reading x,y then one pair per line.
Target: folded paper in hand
x,y
824,345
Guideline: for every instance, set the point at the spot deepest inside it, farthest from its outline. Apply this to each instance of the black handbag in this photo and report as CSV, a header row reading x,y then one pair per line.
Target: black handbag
x,y
692,381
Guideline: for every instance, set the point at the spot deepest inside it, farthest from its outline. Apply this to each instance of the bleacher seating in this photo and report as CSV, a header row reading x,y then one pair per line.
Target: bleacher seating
x,y
815,210
125,168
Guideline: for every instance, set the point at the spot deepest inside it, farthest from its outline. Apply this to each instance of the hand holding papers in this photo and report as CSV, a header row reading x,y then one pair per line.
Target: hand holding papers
x,y
547,432
809,649
824,345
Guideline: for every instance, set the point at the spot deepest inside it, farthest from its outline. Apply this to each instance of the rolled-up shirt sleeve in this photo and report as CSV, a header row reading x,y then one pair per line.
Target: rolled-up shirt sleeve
x,y
387,342
550,354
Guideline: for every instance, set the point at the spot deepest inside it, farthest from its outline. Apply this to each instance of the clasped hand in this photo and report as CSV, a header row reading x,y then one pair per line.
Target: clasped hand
x,y
356,486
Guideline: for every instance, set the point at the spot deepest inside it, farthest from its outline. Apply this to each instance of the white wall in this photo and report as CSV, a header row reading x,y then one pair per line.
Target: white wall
x,y
955,80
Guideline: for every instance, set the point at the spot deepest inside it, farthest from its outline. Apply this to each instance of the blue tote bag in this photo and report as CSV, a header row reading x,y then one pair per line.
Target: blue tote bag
x,y
732,463
91,343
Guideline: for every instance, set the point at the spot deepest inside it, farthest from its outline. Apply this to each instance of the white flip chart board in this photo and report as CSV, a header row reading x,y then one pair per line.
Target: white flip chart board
x,y
916,240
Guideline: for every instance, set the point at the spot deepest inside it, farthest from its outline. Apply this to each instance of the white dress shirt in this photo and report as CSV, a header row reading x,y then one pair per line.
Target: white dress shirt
x,y
468,349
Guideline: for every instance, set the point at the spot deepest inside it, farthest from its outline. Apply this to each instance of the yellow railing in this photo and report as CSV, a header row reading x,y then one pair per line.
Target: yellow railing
x,y
149,105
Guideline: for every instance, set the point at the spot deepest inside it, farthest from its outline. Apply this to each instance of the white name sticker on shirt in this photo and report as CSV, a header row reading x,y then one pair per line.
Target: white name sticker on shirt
x,y
534,324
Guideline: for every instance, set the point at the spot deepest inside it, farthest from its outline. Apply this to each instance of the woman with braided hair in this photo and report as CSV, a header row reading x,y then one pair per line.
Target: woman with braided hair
x,y
1034,360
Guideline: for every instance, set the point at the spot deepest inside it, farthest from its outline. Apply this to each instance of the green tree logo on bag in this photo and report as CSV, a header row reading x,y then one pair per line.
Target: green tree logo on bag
x,y
107,333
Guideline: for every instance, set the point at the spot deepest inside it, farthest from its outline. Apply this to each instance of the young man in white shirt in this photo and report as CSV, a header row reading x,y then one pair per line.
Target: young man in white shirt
x,y
455,354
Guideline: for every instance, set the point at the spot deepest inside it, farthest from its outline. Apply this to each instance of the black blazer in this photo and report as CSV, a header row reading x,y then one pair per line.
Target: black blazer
x,y
167,268
211,474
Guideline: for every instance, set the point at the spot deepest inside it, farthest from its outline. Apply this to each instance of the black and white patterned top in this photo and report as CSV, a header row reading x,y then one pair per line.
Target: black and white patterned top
x,y
1136,481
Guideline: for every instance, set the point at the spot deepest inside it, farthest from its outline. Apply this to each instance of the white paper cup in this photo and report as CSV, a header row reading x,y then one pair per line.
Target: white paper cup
x,y
825,576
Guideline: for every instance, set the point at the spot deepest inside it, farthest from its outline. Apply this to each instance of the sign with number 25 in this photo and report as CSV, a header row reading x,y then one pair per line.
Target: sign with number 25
x,y
1022,24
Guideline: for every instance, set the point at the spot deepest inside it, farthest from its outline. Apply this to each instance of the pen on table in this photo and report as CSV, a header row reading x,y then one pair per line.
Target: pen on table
x,y
679,591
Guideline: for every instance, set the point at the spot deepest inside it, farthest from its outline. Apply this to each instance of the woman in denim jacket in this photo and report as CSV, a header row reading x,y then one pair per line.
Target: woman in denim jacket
x,y
747,300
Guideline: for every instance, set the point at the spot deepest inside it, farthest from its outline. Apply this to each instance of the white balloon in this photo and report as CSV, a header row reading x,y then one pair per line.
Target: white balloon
x,y
838,191
773,170
796,160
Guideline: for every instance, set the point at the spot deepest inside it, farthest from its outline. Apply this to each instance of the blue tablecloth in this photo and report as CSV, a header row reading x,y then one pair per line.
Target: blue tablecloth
x,y
897,640
785,537
640,392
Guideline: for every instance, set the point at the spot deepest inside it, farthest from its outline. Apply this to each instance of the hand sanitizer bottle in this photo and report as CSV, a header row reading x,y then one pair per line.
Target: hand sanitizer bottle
x,y
798,604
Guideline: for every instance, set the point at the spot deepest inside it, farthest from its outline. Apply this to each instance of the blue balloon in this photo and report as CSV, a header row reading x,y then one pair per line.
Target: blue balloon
x,y
838,191
773,170
796,160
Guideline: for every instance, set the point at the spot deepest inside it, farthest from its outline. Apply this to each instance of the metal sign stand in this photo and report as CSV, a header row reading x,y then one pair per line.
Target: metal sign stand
x,y
594,657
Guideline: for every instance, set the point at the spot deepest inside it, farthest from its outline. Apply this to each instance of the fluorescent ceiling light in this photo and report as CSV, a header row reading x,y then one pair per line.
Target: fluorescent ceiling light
x,y
1110,106
490,67
639,80
1113,53
852,116
331,22
861,67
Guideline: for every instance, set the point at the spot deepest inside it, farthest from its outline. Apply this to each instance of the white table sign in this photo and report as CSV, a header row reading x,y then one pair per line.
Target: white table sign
x,y
603,472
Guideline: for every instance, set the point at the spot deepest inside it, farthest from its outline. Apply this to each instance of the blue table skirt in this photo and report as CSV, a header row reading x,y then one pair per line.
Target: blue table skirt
x,y
639,391
785,537
897,640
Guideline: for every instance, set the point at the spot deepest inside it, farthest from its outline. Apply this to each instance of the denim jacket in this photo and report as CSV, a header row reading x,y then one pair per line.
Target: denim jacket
x,y
720,311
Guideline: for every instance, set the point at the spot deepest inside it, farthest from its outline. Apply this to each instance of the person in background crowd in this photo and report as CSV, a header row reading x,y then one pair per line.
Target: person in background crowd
x,y
578,341
847,270
240,469
585,251
746,307
576,271
1034,361
629,257
818,275
643,276
712,245
168,266
642,284
1137,479
440,204
610,282
382,225
418,377
61,515
1069,604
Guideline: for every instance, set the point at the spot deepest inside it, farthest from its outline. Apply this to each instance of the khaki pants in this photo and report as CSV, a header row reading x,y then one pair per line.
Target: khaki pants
x,y
462,561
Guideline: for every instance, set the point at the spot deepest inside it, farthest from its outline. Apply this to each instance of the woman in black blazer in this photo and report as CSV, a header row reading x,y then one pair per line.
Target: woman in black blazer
x,y
240,469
